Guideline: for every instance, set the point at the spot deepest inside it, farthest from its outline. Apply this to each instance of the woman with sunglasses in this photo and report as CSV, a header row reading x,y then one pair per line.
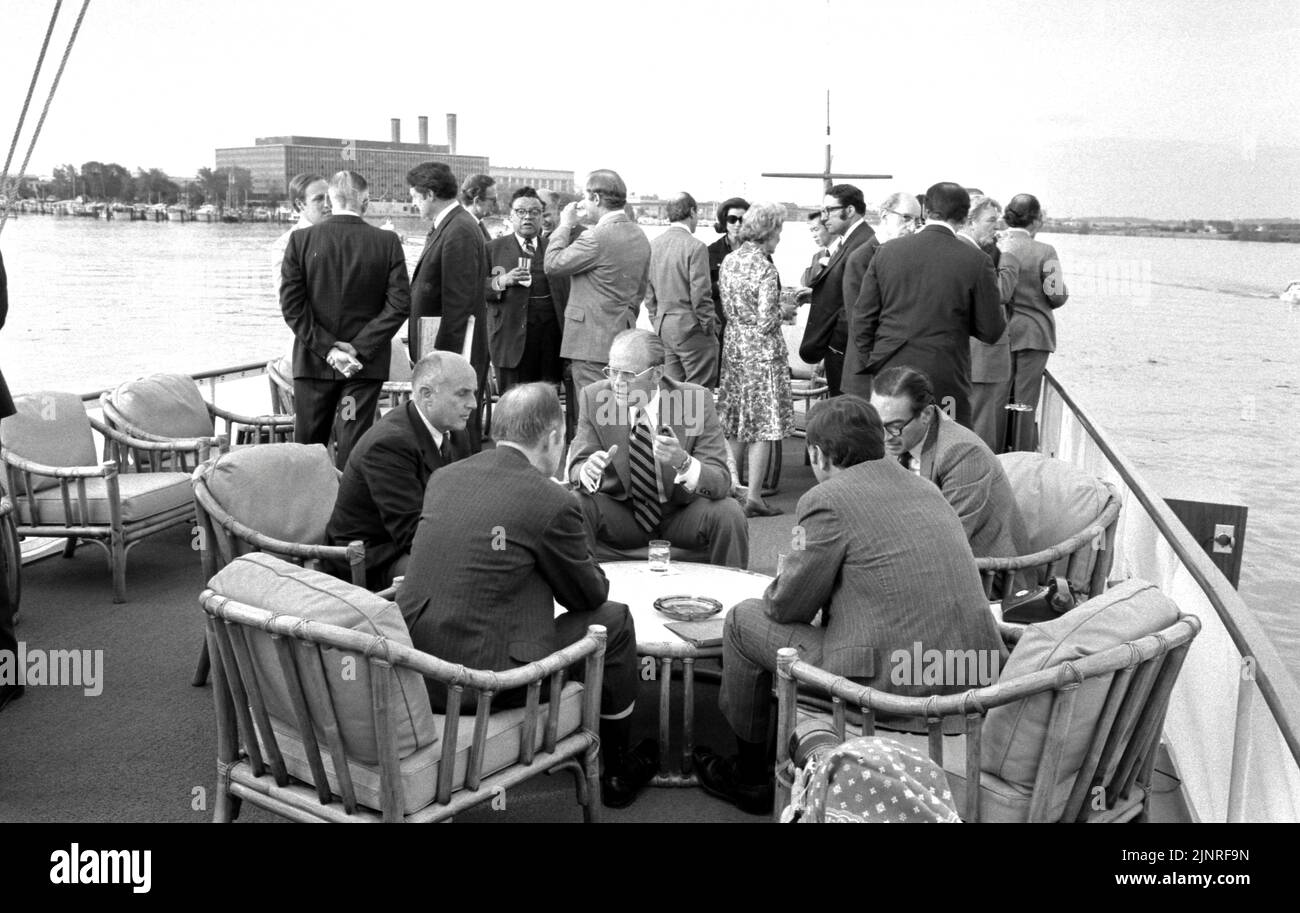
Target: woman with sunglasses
x,y
754,403
727,224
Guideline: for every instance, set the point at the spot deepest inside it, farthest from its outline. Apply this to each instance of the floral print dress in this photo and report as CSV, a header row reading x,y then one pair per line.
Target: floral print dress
x,y
754,402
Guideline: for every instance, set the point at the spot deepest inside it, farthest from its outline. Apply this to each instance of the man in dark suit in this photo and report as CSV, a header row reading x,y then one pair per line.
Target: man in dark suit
x,y
651,460
922,299
344,293
678,297
825,335
884,560
8,641
930,444
525,307
607,264
498,545
383,483
448,279
821,258
479,197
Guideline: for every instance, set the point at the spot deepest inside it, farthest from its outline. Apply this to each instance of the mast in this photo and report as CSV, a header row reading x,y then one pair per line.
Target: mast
x,y
828,177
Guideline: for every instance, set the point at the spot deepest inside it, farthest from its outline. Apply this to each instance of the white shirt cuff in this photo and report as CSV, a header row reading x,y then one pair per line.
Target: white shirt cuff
x,y
690,476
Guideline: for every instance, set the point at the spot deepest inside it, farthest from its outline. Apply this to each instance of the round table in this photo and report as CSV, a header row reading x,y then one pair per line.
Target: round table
x,y
634,584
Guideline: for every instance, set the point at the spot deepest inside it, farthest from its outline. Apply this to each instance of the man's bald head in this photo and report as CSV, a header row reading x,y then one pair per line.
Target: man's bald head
x,y
635,350
443,388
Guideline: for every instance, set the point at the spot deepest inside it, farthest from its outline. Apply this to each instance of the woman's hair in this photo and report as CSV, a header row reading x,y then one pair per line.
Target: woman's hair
x,y
1022,210
906,382
720,223
762,221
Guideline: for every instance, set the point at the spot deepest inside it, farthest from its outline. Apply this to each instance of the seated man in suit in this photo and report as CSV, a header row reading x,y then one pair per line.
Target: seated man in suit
x,y
886,562
499,543
650,459
383,483
924,440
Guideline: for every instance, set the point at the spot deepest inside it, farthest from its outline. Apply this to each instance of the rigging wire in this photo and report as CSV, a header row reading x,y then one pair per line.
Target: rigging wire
x,y
49,99
31,90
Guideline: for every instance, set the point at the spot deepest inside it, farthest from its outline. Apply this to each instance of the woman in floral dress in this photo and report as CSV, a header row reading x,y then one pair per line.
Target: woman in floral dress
x,y
754,402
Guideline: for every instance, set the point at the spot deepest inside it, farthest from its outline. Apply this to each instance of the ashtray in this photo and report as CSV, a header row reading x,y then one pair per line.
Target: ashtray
x,y
688,608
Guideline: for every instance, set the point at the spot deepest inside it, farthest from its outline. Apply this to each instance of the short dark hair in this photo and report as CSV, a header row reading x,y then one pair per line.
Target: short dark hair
x,y
847,429
299,183
526,414
907,382
609,187
947,202
848,195
435,178
720,218
474,186
680,207
814,216
529,192
1023,209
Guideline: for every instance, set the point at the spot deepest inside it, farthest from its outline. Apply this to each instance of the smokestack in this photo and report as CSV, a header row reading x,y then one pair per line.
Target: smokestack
x,y
424,130
397,129
451,133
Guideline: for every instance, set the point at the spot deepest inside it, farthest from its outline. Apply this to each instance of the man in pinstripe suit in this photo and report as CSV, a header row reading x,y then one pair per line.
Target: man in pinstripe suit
x,y
883,557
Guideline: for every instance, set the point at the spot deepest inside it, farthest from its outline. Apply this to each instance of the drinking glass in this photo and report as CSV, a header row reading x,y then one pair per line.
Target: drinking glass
x,y
660,557
526,263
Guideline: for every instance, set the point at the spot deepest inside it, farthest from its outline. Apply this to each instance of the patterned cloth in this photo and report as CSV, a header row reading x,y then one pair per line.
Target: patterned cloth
x,y
871,780
754,403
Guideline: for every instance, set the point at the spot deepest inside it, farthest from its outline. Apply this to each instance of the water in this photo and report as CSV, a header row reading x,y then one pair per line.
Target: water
x,y
1180,349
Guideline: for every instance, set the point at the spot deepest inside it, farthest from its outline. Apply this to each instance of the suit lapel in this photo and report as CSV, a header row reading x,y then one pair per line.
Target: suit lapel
x,y
428,450
929,447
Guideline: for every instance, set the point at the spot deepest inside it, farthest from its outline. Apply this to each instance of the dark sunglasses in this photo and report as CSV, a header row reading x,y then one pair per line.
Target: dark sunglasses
x,y
734,220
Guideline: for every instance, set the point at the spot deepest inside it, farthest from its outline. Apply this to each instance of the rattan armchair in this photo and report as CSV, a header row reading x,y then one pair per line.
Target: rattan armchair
x,y
11,551
167,407
301,769
1112,732
60,491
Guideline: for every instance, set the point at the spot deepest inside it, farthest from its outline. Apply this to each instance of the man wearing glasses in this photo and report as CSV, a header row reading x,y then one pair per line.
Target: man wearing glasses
x,y
525,307
826,334
607,266
479,197
650,460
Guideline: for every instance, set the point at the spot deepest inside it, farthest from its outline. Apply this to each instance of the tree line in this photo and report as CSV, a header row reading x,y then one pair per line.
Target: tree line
x,y
112,183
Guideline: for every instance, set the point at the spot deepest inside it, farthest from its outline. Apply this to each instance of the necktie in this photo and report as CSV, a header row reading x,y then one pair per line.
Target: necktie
x,y
645,489
530,247
906,459
445,450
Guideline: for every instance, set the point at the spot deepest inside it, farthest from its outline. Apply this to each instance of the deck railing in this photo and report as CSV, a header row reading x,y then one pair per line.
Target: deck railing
x,y
1233,726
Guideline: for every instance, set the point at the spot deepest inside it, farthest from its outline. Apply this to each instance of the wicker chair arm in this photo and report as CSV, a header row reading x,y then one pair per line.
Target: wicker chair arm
x,y
270,419
153,442
103,470
1090,534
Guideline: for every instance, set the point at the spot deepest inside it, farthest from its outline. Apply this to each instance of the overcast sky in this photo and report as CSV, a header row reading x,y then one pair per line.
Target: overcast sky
x,y
1164,108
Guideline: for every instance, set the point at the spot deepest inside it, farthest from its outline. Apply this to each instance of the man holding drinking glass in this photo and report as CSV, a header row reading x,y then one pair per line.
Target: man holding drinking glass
x,y
525,307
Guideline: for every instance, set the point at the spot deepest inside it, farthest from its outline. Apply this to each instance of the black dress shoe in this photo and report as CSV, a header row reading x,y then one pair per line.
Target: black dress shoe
x,y
622,781
718,778
10,693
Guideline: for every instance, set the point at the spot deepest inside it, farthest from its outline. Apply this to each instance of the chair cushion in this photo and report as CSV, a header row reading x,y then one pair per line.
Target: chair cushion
x,y
168,405
399,364
1015,734
266,582
419,771
142,495
286,491
50,428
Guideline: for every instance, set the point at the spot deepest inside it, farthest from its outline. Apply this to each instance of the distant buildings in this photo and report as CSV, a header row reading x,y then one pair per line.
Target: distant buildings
x,y
537,178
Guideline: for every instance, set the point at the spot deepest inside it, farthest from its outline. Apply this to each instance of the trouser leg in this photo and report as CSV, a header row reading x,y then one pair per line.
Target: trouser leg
x,y
718,525
749,643
586,373
356,413
1030,364
834,372
315,404
988,403
619,682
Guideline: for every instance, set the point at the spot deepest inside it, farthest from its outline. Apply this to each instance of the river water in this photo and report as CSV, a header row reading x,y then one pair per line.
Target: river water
x,y
1179,348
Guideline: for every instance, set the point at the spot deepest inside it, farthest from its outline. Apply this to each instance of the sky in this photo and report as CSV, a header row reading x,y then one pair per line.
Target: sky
x,y
1157,109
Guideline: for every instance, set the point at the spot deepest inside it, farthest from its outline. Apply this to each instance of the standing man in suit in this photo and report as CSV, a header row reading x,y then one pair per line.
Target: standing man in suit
x,y
525,307
822,257
922,299
344,293
479,199
651,461
1040,290
679,298
383,483
498,545
887,564
448,279
8,641
607,265
825,335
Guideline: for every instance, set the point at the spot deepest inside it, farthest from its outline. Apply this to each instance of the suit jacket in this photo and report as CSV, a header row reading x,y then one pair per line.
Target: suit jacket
x,y
679,298
448,283
922,299
498,545
7,407
815,267
383,484
887,561
686,408
990,363
827,326
975,484
718,251
607,266
507,309
1039,291
853,380
343,280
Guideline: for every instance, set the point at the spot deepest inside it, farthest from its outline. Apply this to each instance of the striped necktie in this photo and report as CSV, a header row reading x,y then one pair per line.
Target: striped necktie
x,y
530,247
646,509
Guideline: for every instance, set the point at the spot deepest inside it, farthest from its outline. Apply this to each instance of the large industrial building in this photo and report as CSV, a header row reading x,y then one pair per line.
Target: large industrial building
x,y
537,178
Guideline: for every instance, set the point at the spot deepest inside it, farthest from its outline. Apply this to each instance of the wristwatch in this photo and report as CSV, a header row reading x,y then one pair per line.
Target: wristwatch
x,y
682,468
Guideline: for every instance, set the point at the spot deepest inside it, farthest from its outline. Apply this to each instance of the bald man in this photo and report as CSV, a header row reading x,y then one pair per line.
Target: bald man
x,y
679,297
382,489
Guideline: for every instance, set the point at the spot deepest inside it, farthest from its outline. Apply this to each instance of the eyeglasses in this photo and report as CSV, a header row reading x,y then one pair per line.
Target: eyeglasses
x,y
895,429
902,215
826,213
625,376
735,220
525,213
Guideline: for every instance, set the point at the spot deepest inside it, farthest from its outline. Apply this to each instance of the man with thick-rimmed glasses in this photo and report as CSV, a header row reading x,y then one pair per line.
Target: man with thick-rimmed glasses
x,y
826,334
525,307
